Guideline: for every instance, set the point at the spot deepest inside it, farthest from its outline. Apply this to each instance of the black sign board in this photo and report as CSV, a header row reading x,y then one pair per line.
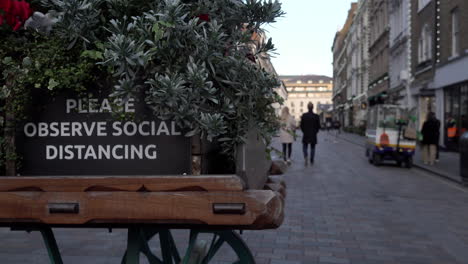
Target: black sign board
x,y
70,135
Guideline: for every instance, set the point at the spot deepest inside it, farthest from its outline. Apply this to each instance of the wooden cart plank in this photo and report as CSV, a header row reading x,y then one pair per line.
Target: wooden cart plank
x,y
263,208
122,183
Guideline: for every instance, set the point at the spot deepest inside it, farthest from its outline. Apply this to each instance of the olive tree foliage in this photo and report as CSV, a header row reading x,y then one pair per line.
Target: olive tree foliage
x,y
193,59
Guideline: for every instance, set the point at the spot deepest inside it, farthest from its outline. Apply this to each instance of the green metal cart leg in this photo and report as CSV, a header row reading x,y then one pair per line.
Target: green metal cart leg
x,y
197,252
51,245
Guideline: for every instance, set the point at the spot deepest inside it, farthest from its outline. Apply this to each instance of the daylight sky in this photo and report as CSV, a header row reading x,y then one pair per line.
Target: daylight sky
x,y
304,36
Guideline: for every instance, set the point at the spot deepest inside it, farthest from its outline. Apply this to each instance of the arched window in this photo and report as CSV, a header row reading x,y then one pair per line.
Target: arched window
x,y
425,44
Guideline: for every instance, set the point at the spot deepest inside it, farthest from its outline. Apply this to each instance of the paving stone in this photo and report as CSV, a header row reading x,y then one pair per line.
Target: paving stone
x,y
341,210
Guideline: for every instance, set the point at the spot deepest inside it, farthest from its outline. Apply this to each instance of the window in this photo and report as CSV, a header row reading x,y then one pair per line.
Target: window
x,y
321,81
302,103
299,81
309,81
425,44
422,4
455,33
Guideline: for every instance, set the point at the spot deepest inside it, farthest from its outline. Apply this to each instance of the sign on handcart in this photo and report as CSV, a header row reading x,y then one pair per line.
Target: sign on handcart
x,y
85,136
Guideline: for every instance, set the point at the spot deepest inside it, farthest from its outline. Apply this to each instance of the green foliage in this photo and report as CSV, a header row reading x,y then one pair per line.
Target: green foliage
x,y
191,58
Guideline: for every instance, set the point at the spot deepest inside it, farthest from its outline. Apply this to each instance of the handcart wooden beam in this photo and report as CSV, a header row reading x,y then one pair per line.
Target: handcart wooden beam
x,y
122,183
253,209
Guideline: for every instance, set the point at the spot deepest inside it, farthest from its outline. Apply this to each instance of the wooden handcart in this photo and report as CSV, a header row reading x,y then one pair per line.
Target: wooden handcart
x,y
150,207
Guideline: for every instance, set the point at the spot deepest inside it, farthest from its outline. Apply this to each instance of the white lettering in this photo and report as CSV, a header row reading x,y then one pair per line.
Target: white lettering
x,y
163,129
76,129
27,130
90,153
129,106
43,131
114,152
101,129
105,106
104,151
71,104
80,148
65,129
140,128
130,128
92,103
89,129
151,154
55,130
117,129
174,129
68,152
80,107
136,151
51,152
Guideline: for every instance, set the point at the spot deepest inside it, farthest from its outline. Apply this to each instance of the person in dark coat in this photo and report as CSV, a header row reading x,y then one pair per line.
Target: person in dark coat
x,y
310,126
430,133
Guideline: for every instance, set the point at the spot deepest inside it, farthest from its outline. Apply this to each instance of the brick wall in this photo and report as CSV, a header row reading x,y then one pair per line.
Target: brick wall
x,y
446,8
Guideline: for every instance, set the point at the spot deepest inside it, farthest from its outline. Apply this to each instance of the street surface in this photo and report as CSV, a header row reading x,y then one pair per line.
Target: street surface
x,y
340,210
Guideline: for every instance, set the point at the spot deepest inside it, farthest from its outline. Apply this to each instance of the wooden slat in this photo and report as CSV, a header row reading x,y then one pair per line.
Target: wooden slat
x,y
264,208
122,183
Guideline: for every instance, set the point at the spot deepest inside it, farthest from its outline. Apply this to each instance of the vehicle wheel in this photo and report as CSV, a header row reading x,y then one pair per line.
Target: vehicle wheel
x,y
376,159
202,248
399,163
409,163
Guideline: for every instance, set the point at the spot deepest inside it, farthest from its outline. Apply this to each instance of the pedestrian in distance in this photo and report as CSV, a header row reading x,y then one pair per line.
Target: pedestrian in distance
x,y
430,133
287,133
310,126
337,126
328,125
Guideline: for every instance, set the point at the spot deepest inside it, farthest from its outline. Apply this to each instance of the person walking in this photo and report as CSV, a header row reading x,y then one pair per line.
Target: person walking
x,y
310,126
287,132
430,140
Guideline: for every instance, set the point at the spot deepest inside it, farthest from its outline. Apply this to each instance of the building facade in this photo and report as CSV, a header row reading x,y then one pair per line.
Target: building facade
x,y
451,71
358,38
303,89
265,63
378,50
400,52
342,68
423,57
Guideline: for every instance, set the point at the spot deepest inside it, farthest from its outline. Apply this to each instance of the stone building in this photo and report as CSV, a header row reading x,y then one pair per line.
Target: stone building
x,y
358,39
265,63
303,89
399,46
341,49
423,53
378,50
451,71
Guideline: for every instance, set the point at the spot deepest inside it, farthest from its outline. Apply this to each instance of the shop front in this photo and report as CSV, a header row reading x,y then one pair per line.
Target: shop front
x,y
455,114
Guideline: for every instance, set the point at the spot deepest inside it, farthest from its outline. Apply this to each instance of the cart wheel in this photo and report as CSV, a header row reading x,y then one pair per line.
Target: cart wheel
x,y
376,159
409,163
204,247
368,155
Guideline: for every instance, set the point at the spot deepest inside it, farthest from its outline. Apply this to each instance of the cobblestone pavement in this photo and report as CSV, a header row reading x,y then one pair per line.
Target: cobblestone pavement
x,y
341,210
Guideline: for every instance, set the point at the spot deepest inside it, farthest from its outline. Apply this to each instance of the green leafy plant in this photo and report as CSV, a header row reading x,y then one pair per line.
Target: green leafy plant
x,y
196,61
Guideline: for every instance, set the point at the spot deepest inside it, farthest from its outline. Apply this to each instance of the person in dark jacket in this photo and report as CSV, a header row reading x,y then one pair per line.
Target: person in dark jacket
x,y
430,133
310,126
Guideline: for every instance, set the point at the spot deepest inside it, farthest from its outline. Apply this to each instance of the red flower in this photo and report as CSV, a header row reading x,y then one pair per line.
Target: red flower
x,y
204,17
15,13
5,5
